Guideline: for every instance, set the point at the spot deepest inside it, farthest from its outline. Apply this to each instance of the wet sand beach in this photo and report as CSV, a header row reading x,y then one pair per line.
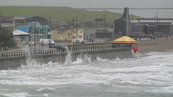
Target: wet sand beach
x,y
156,45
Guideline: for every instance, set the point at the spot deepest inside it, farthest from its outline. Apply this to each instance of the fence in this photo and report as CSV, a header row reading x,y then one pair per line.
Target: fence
x,y
82,48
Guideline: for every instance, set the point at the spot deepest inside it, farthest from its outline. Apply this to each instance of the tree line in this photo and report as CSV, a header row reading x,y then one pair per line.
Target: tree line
x,y
6,38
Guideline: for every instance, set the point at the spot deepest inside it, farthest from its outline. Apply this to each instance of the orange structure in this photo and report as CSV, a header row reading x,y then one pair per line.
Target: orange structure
x,y
127,40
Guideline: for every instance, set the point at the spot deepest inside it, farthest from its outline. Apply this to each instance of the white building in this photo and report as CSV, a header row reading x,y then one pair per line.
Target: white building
x,y
21,37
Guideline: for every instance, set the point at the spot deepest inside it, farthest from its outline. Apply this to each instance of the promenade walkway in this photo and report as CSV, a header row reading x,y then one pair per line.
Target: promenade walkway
x,y
39,51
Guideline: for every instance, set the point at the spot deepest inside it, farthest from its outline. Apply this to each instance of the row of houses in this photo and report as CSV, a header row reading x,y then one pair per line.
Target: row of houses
x,y
74,35
29,29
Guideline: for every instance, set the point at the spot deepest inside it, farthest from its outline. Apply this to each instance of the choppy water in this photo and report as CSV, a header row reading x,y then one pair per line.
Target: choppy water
x,y
150,76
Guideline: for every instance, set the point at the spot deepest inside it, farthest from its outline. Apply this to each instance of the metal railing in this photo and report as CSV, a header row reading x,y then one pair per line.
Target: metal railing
x,y
82,48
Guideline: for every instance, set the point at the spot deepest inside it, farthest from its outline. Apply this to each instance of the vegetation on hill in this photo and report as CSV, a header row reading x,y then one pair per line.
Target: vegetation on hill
x,y
55,13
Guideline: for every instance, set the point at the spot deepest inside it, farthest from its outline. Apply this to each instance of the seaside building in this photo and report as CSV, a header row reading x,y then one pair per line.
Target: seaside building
x,y
77,35
103,35
21,37
74,35
36,30
11,22
162,26
142,27
7,22
60,36
25,20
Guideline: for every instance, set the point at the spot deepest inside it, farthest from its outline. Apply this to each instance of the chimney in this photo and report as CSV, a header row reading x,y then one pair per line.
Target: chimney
x,y
127,20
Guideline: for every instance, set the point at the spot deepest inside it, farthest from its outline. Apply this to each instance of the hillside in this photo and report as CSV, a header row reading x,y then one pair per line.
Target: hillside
x,y
57,13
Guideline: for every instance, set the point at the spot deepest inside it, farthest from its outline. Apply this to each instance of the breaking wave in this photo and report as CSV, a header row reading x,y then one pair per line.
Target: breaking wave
x,y
153,72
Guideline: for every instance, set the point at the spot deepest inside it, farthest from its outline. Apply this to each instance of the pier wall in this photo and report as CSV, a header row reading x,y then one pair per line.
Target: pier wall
x,y
105,51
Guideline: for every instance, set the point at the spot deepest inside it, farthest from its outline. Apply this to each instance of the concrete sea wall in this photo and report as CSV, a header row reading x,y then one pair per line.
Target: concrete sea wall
x,y
63,58
70,53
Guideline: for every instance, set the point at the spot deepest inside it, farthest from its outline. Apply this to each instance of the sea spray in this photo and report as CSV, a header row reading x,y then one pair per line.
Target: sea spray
x,y
29,60
68,59
136,54
87,58
27,49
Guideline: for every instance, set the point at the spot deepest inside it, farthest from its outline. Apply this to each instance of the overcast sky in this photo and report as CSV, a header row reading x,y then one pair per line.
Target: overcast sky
x,y
90,3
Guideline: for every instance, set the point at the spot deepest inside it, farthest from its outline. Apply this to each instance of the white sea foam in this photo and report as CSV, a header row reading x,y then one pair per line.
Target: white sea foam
x,y
164,90
45,95
155,70
78,61
101,59
16,94
46,89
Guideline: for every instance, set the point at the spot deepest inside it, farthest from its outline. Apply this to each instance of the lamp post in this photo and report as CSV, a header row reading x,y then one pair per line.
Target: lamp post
x,y
34,31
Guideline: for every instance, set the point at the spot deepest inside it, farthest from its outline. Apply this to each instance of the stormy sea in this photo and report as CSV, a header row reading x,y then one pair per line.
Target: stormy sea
x,y
149,76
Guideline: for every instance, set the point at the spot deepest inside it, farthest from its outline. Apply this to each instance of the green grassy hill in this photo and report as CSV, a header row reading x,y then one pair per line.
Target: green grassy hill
x,y
57,13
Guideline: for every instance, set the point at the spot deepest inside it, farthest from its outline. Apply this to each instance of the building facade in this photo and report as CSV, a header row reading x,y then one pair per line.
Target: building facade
x,y
153,26
77,35
73,35
7,22
59,36
21,37
25,20
36,31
